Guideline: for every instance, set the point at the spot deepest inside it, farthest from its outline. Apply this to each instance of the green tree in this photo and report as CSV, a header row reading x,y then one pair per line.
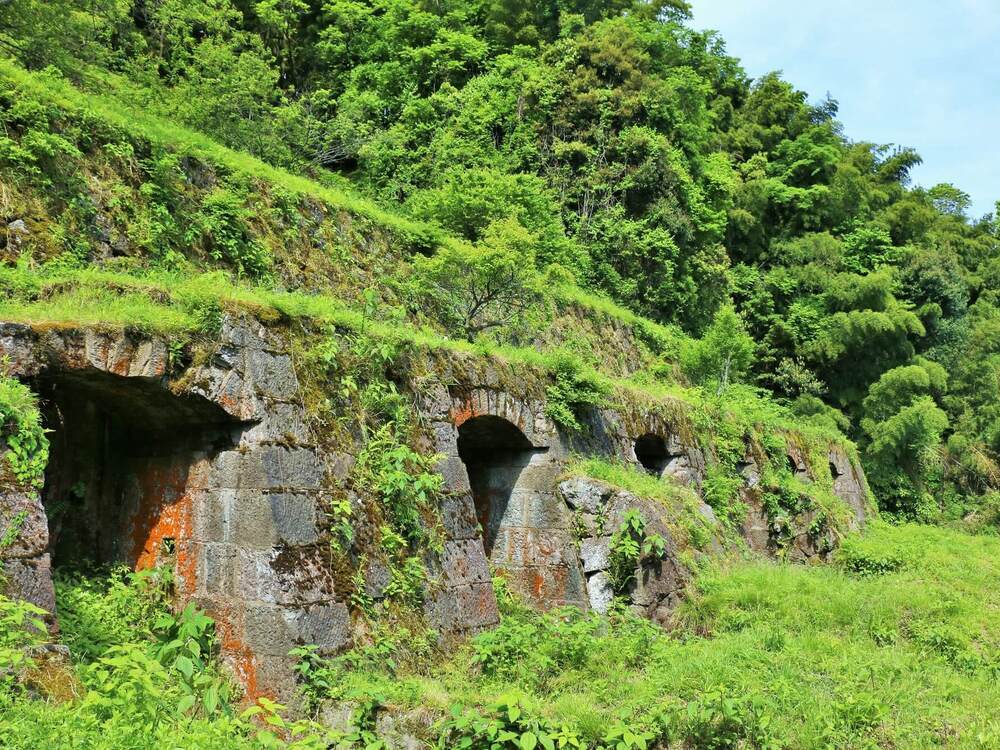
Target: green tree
x,y
474,291
903,425
723,355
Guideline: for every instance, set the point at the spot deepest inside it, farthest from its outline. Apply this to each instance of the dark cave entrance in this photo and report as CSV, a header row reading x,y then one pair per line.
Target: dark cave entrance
x,y
651,451
495,453
121,454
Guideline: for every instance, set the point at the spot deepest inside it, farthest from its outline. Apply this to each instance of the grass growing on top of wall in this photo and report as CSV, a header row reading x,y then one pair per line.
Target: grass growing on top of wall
x,y
682,503
62,102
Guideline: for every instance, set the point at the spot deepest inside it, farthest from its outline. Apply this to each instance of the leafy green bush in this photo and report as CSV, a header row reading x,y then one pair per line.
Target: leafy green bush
x,y
97,612
574,388
535,648
186,647
503,726
718,721
21,425
628,546
21,626
221,225
404,479
862,558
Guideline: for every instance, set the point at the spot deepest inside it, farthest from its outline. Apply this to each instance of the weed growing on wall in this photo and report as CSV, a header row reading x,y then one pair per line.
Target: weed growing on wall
x,y
573,389
629,544
398,486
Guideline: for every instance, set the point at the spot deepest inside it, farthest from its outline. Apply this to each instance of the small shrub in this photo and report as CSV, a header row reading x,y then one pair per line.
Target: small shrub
x,y
403,479
505,725
21,426
717,721
221,226
531,648
628,545
573,389
97,612
21,626
864,559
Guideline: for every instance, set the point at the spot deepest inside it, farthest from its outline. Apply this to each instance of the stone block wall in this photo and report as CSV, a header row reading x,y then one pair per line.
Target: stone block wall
x,y
215,471
27,565
219,479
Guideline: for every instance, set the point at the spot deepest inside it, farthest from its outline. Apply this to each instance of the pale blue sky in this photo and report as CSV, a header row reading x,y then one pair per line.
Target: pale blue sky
x,y
920,73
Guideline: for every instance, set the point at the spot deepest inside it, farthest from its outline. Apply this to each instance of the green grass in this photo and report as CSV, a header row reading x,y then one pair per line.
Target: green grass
x,y
825,659
59,93
683,514
630,478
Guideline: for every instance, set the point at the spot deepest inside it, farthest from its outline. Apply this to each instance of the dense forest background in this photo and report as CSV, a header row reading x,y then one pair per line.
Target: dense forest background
x,y
610,142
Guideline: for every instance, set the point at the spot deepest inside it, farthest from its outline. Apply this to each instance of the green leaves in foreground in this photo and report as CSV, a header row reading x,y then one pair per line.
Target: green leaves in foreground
x,y
506,726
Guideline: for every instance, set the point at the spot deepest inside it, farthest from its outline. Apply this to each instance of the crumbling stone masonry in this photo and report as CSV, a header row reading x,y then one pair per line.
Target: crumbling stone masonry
x,y
219,479
214,471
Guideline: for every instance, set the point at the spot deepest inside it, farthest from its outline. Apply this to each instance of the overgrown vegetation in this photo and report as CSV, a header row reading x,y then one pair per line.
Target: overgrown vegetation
x,y
597,196
895,645
527,151
27,448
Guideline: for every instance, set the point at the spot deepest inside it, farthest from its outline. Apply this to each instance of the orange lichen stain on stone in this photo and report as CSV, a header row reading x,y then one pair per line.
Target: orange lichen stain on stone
x,y
462,414
538,584
225,400
122,365
164,512
239,656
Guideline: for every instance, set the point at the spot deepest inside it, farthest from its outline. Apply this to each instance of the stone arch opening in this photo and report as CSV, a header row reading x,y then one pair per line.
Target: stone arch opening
x,y
792,465
118,485
651,451
495,453
527,527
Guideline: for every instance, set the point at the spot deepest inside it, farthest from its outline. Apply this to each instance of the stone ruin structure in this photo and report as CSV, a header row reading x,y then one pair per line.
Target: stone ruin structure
x,y
216,473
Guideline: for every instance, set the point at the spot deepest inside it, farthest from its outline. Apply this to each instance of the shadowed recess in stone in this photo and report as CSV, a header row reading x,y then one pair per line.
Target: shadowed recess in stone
x,y
495,452
122,454
651,450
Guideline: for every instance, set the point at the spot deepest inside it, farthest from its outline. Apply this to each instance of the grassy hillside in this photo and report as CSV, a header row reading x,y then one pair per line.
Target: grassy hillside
x,y
415,151
589,197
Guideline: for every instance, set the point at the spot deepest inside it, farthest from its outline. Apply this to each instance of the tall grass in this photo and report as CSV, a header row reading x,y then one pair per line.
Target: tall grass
x,y
827,658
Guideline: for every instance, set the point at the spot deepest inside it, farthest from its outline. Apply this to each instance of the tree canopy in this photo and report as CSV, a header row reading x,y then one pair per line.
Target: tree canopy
x,y
614,141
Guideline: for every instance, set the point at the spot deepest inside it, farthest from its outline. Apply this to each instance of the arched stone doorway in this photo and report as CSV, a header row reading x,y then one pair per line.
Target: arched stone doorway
x,y
495,453
651,451
121,449
527,528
